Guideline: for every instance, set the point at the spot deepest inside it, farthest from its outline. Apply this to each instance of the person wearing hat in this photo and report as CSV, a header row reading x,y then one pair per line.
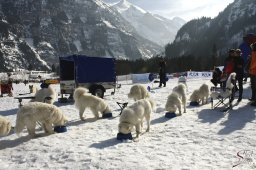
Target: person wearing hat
x,y
239,70
252,72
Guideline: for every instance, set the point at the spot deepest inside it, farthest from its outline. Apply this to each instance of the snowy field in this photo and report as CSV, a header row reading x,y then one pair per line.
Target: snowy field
x,y
201,138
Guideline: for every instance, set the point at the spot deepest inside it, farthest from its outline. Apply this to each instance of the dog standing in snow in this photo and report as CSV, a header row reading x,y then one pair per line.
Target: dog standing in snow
x,y
5,126
134,115
176,99
84,100
45,114
200,94
138,92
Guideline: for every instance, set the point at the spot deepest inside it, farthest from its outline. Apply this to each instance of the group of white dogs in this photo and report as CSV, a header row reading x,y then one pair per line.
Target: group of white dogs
x,y
42,110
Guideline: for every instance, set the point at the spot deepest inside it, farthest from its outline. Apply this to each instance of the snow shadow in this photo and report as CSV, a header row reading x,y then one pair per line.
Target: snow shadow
x,y
13,143
161,119
9,112
105,144
79,122
210,115
237,119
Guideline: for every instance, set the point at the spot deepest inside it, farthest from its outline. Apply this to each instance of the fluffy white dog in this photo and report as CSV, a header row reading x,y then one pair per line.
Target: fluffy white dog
x,y
228,90
5,126
32,89
183,80
138,92
84,100
45,95
134,115
200,94
45,114
176,99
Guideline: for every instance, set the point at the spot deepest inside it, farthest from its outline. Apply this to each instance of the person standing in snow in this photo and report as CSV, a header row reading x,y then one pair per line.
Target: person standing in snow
x,y
239,70
252,72
162,72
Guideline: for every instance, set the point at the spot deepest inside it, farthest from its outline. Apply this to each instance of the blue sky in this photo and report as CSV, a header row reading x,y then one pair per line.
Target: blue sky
x,y
186,9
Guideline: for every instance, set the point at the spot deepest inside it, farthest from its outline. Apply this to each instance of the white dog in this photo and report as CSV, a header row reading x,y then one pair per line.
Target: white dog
x,y
176,99
138,92
45,114
84,100
5,126
200,94
134,115
45,95
227,91
32,89
183,80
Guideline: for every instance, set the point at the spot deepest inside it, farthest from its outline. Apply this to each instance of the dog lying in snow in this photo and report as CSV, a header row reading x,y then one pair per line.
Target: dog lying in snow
x,y
45,114
84,100
134,115
176,99
45,95
138,92
200,94
5,126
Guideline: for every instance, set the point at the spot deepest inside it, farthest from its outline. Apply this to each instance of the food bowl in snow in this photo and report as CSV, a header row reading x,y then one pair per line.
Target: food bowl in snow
x,y
107,115
60,129
170,115
194,104
121,136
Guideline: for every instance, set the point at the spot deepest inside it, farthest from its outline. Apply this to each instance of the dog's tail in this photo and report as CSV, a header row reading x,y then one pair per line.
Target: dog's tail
x,y
152,103
79,92
20,125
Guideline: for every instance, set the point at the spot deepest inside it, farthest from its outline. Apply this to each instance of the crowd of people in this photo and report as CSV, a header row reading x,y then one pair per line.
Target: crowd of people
x,y
244,65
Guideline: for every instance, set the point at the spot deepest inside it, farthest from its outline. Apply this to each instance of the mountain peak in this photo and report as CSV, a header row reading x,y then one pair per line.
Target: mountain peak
x,y
125,5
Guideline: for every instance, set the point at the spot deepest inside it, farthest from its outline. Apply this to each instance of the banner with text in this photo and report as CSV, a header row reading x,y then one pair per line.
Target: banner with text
x,y
193,74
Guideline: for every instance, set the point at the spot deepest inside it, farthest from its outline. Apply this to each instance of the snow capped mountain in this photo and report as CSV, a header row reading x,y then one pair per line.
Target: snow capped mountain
x,y
198,36
60,28
151,26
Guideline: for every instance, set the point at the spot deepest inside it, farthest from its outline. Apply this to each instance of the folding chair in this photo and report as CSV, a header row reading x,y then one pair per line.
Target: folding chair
x,y
122,106
221,95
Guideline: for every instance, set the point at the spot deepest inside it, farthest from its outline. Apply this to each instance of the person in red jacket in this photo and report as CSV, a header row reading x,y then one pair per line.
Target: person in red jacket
x,y
228,66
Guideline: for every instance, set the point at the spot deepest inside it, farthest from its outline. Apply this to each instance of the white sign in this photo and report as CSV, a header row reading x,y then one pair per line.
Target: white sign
x,y
140,78
192,74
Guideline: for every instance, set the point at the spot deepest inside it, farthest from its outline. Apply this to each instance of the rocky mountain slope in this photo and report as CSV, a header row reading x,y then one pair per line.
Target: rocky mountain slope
x,y
54,28
199,37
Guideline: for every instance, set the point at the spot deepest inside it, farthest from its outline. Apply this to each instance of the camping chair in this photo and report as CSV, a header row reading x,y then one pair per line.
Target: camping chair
x,y
222,95
122,106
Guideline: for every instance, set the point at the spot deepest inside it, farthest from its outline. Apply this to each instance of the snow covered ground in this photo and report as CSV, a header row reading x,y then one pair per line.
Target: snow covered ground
x,y
201,138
